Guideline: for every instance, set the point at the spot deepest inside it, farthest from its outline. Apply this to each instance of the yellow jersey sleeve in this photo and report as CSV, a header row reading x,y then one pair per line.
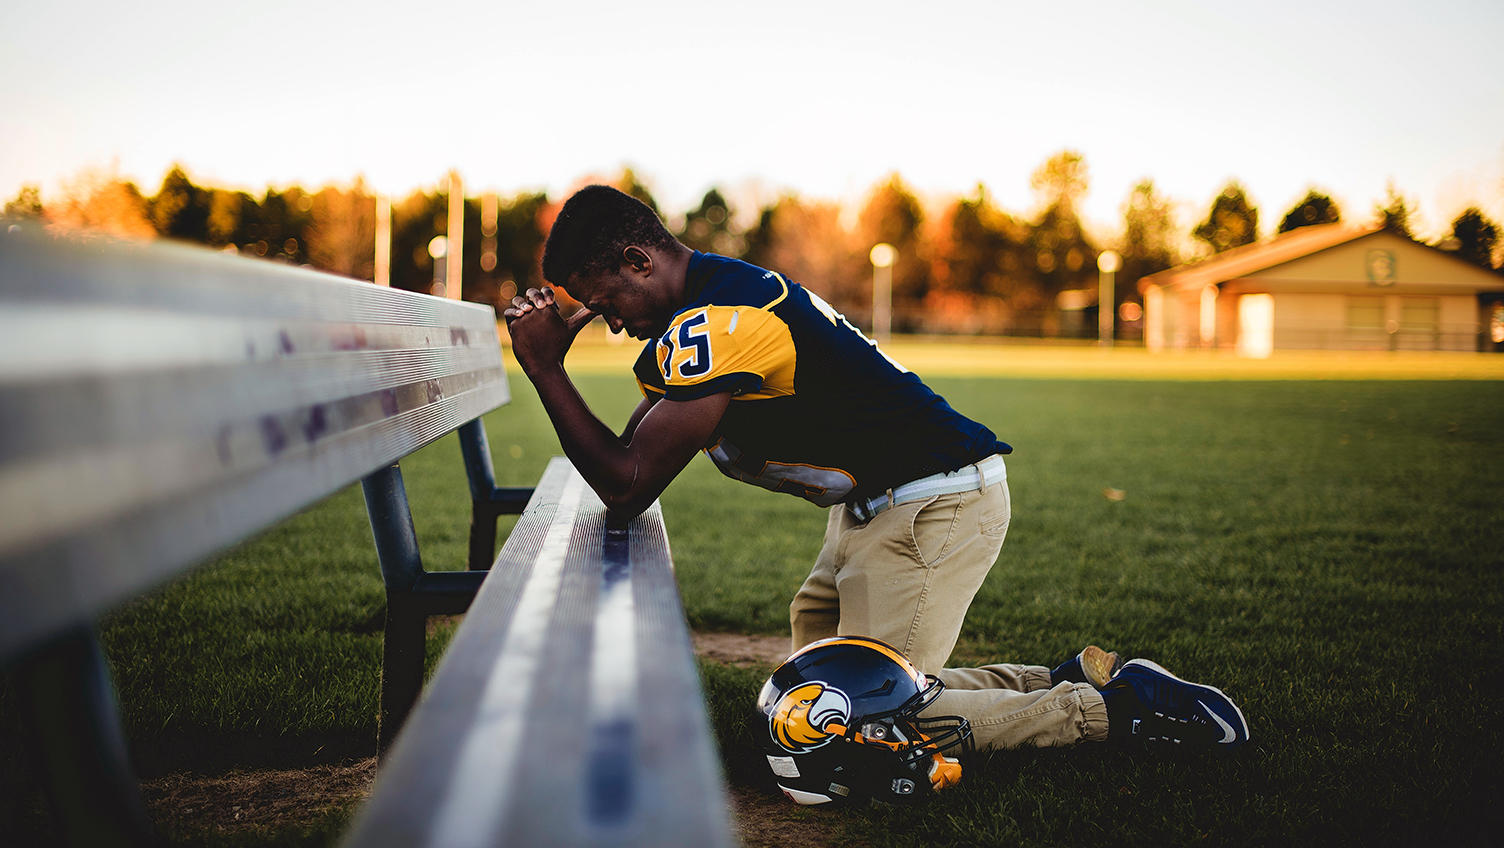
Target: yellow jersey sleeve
x,y
645,369
741,349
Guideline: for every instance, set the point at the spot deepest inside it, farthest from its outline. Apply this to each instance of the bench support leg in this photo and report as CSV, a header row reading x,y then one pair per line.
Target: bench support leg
x,y
392,528
487,501
401,569
476,449
69,714
413,594
482,535
402,654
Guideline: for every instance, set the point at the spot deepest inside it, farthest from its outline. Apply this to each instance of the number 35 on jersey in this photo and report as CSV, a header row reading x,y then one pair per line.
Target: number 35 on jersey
x,y
746,350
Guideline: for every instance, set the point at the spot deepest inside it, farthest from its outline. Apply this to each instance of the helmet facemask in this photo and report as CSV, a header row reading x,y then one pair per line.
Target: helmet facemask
x,y
921,744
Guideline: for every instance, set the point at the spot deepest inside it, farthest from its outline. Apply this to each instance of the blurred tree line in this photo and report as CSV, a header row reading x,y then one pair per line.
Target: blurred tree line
x,y
965,266
332,229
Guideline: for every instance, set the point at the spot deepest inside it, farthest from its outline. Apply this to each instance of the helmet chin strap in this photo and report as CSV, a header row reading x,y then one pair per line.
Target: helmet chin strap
x,y
944,771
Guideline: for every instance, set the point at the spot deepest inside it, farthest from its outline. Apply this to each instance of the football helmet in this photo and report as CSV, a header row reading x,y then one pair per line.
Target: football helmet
x,y
839,723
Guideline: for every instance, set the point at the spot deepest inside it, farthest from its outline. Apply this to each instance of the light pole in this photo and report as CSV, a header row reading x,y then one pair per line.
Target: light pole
x,y
454,259
1107,264
883,256
382,273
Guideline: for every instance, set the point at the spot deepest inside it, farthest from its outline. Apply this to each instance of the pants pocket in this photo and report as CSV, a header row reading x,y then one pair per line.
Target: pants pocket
x,y
997,512
932,528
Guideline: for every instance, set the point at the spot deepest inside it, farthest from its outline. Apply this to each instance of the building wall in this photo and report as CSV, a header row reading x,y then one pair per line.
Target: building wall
x,y
1156,319
1309,320
1305,320
1461,326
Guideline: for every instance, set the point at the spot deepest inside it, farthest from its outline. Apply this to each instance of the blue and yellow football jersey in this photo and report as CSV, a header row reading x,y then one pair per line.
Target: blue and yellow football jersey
x,y
817,410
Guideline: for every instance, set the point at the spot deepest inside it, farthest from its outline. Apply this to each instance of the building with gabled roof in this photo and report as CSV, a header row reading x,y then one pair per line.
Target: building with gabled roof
x,y
1328,286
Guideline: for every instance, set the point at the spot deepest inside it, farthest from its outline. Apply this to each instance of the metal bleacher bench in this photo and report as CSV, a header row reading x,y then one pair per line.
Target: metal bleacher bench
x,y
160,403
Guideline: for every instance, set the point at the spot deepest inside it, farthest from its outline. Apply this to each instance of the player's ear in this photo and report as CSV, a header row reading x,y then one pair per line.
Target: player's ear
x,y
637,259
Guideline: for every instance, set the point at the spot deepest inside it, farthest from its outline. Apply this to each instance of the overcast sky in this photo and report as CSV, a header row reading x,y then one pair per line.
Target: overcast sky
x,y
820,97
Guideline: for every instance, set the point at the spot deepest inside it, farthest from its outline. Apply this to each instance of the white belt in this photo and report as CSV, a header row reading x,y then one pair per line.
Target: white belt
x,y
978,475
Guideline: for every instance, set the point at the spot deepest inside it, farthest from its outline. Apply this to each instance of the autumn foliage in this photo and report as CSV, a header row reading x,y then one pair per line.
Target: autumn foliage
x,y
965,265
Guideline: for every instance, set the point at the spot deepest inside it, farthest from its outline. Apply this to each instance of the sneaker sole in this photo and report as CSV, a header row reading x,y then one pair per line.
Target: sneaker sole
x,y
1099,666
1247,734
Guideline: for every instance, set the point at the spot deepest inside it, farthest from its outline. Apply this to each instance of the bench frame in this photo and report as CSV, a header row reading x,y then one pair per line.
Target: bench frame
x,y
413,594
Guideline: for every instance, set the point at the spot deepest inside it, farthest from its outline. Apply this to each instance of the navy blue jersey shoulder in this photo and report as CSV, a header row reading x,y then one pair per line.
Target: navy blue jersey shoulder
x,y
729,282
818,410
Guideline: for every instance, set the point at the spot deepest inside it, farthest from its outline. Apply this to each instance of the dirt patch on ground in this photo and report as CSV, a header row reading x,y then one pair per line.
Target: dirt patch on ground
x,y
771,821
436,623
740,650
189,806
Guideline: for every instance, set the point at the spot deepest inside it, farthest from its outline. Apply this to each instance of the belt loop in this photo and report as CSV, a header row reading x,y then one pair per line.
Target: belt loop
x,y
890,499
982,473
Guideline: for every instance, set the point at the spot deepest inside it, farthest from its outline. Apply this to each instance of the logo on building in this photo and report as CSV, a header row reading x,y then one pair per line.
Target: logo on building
x,y
1382,268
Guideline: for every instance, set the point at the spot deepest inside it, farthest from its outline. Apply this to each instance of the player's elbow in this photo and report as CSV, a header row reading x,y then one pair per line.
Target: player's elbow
x,y
627,505
632,492
630,488
624,495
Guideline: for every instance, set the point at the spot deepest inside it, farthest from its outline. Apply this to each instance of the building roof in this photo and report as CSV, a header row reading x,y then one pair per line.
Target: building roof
x,y
1249,258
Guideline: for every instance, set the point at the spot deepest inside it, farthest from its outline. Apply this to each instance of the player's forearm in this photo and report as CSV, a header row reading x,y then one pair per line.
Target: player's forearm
x,y
612,468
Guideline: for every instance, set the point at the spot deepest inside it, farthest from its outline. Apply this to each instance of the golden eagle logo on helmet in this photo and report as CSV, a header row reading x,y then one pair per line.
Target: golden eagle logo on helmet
x,y
800,718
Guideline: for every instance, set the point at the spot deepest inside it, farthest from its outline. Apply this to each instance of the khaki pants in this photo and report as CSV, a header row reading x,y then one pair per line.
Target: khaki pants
x,y
907,577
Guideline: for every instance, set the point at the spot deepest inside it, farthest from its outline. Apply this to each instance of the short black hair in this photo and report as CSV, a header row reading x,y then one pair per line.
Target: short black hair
x,y
592,230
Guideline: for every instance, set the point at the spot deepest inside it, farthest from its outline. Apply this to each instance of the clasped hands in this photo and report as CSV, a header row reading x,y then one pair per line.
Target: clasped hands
x,y
540,334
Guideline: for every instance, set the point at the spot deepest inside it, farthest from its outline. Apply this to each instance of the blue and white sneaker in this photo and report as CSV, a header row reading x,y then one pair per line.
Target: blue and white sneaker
x,y
1164,708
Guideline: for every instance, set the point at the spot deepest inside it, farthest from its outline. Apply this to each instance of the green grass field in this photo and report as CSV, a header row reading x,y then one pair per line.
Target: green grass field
x,y
1327,551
